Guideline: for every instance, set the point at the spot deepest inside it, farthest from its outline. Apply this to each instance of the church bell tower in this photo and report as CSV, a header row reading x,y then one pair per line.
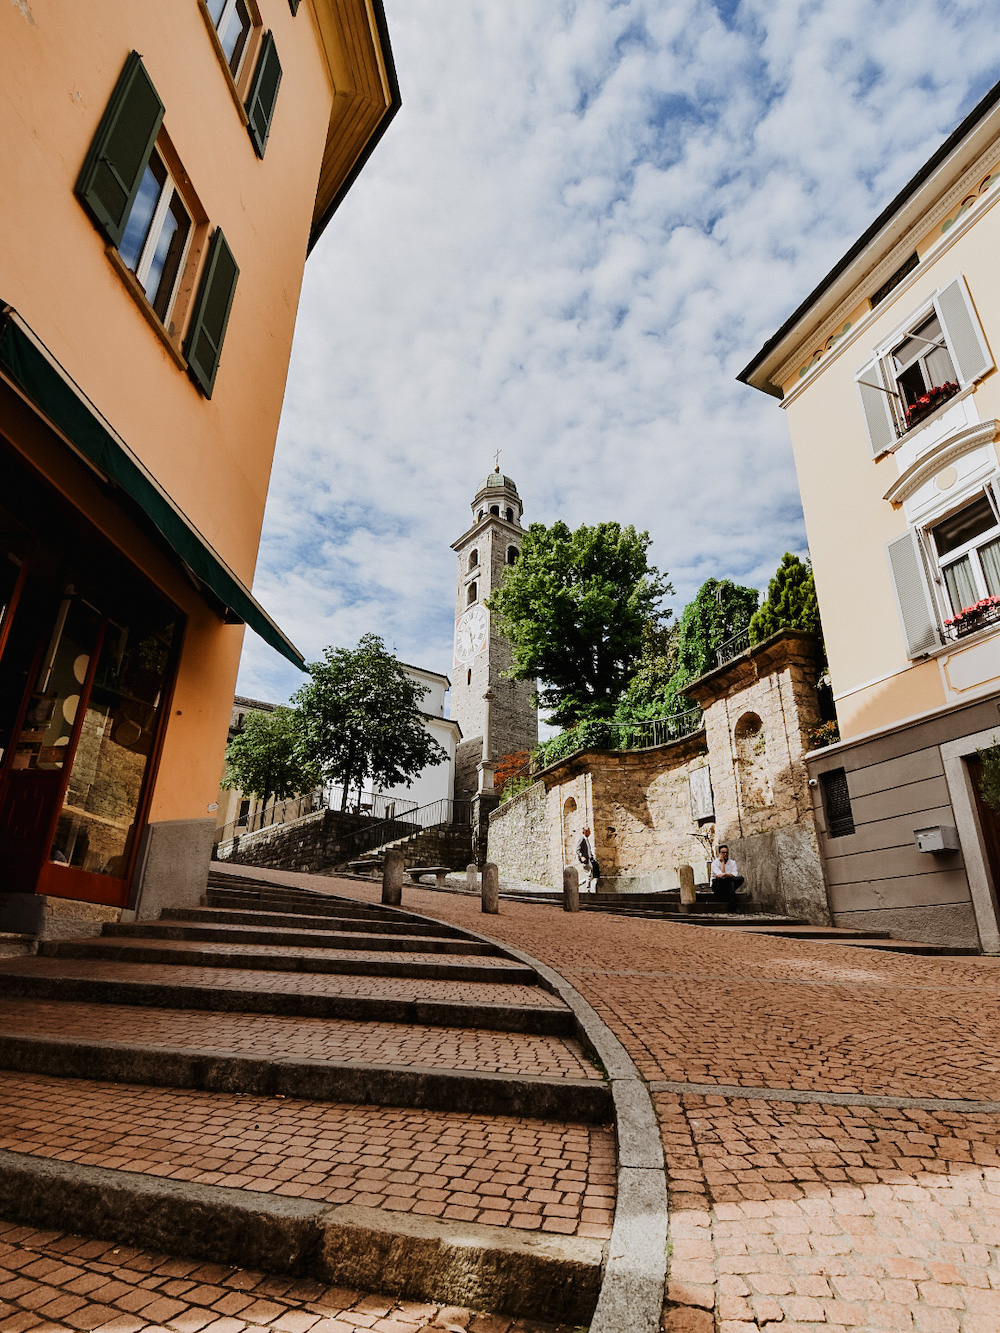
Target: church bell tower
x,y
496,715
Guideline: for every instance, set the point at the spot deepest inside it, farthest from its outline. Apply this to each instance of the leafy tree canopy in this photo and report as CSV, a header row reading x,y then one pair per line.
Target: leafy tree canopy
x,y
574,608
719,610
360,718
263,759
791,602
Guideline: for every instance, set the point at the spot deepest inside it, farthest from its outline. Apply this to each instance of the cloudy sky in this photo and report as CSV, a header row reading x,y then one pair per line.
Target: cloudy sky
x,y
585,219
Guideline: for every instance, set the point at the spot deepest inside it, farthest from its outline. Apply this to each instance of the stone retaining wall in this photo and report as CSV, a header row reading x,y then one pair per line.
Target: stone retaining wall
x,y
310,844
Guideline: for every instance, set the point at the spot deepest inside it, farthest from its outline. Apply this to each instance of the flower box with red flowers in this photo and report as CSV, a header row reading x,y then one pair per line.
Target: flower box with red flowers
x,y
928,401
977,616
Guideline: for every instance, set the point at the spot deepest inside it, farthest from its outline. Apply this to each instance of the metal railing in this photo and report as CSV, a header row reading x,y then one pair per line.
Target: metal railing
x,y
732,647
975,618
605,735
281,812
432,815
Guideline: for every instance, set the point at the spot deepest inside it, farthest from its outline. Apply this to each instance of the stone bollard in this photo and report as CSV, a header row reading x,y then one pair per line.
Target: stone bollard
x,y
688,895
491,889
472,877
392,877
571,889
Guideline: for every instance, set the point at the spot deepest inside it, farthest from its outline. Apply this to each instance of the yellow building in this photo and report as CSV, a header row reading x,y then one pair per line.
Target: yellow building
x,y
167,168
887,372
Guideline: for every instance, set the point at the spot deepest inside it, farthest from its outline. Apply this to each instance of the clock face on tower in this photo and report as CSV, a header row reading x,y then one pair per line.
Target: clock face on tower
x,y
470,633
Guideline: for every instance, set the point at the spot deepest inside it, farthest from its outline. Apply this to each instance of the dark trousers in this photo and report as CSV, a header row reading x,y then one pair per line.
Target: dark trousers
x,y
726,887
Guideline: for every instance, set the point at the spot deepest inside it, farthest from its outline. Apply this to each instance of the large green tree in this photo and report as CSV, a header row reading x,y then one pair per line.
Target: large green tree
x,y
360,718
719,610
574,608
791,601
264,759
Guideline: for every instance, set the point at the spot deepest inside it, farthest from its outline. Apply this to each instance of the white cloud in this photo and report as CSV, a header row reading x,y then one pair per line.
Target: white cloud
x,y
585,219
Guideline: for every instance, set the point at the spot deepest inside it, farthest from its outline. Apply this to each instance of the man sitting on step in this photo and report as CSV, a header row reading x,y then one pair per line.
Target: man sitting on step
x,y
726,878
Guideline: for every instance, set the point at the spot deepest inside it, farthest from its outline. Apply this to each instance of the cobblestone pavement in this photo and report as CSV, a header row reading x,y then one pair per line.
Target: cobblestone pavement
x,y
788,1215
51,1281
495,1170
282,983
306,1038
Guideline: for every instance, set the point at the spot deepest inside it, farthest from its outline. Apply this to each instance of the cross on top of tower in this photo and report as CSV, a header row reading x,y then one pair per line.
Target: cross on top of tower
x,y
496,460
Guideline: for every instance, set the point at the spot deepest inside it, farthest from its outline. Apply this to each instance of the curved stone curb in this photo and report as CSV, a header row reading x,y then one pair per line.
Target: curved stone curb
x,y
635,1270
524,1273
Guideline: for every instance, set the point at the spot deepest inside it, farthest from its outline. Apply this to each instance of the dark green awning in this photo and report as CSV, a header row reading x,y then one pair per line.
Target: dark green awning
x,y
39,376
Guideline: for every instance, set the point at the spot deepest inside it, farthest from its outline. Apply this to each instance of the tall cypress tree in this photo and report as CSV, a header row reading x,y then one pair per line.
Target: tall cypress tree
x,y
791,602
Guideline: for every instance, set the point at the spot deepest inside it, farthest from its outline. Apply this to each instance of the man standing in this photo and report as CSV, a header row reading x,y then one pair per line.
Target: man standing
x,y
726,878
585,855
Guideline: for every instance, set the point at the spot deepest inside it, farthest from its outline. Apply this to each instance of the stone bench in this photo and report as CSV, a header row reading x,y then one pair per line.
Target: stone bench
x,y
372,865
439,873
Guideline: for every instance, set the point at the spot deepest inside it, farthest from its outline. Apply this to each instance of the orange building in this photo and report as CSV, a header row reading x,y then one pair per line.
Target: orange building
x,y
167,169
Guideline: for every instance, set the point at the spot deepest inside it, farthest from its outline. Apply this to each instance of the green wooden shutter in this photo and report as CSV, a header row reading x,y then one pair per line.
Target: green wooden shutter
x,y
293,5
263,94
109,180
203,346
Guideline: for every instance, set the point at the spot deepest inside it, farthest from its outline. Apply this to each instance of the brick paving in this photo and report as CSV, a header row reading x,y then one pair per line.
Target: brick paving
x,y
55,1281
112,944
282,983
496,1170
796,1217
306,1038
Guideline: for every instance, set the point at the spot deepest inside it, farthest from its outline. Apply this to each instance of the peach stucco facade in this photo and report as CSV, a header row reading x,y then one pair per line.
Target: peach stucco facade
x,y
210,453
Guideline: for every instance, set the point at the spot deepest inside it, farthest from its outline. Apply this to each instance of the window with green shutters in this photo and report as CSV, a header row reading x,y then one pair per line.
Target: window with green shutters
x,y
293,5
114,167
263,94
203,346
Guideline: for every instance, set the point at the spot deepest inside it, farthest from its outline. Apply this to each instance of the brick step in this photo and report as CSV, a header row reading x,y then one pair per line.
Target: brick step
x,y
863,939
525,1204
278,958
375,1083
449,1003
253,900
313,1040
218,932
248,917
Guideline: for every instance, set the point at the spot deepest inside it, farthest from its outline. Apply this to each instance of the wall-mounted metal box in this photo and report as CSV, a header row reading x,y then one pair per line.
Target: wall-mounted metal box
x,y
939,838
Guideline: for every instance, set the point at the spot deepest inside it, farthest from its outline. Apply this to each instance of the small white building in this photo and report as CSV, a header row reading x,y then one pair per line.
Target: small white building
x,y
433,784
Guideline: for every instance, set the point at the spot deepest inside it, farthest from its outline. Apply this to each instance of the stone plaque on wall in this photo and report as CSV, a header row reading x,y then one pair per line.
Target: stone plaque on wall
x,y
702,800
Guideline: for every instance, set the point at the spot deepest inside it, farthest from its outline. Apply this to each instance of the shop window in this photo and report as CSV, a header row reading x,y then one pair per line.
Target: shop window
x,y
837,803
941,351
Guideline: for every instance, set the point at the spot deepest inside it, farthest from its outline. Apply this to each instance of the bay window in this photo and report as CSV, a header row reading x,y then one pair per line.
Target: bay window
x,y
967,546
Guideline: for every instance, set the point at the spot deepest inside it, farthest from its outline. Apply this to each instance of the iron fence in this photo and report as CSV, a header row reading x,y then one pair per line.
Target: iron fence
x,y
433,815
732,647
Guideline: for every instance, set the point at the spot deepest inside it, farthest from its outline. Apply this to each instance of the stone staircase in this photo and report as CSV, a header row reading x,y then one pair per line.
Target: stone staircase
x,y
307,1085
439,845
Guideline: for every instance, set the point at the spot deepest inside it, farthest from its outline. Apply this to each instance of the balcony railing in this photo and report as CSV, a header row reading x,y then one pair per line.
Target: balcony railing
x,y
731,648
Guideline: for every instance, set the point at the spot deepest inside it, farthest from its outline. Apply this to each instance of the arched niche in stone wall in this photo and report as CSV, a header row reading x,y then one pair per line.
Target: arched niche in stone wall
x,y
750,749
569,830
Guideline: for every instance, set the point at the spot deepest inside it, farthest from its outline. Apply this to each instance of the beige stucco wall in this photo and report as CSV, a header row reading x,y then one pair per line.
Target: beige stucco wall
x,y
848,522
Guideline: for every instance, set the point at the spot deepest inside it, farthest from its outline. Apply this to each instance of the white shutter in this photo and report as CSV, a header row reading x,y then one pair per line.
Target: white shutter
x,y
993,495
964,332
875,405
916,610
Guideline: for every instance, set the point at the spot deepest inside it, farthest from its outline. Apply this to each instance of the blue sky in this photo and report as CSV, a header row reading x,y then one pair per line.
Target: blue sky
x,y
585,219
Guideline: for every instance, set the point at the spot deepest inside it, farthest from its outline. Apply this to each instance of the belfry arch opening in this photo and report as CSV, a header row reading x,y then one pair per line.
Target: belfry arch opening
x,y
473,558
472,594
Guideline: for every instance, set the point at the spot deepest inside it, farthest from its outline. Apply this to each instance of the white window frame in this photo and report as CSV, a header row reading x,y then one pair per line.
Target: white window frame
x,y
971,549
883,405
148,252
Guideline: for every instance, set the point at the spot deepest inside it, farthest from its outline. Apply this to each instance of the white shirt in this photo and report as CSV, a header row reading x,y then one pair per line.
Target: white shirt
x,y
718,869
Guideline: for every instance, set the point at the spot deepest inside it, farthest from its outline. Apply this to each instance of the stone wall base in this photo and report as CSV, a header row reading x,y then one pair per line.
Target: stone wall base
x,y
784,873
173,867
54,918
311,844
952,924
